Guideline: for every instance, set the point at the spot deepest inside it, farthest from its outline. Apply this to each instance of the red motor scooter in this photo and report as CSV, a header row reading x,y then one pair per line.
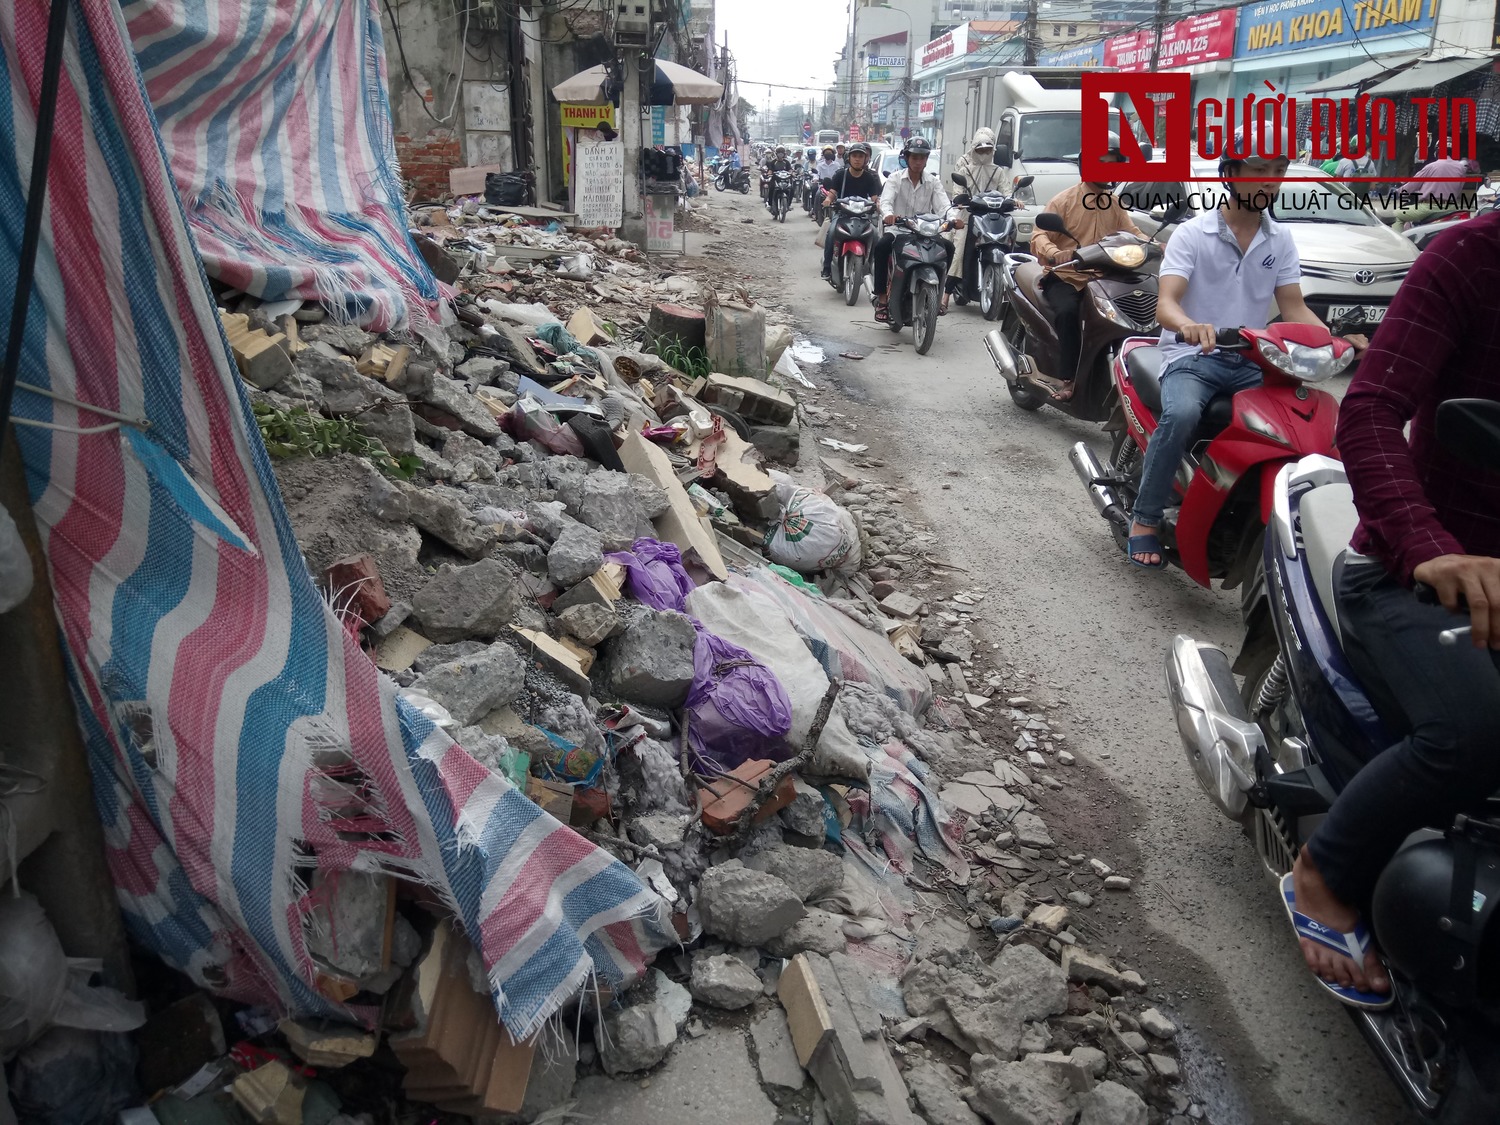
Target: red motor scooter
x,y
1223,494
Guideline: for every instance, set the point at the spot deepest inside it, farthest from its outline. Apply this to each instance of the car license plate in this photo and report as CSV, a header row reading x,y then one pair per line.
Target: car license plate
x,y
1372,314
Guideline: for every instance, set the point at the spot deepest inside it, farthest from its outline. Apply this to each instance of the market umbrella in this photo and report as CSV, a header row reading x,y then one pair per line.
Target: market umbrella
x,y
670,85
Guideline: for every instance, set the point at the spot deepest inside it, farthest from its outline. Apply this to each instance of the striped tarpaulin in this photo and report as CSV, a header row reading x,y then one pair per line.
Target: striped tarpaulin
x,y
276,125
238,737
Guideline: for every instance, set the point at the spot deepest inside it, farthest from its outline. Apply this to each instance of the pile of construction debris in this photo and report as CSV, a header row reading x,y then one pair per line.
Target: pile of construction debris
x,y
570,554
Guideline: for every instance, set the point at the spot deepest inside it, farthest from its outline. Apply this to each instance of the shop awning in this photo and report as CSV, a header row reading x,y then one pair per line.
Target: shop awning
x,y
1426,75
1374,68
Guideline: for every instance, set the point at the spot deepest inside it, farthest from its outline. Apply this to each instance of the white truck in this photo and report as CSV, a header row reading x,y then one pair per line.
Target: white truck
x,y
1037,116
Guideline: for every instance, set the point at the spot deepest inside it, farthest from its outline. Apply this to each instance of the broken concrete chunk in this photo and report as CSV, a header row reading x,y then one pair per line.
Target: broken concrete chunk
x,y
429,658
993,1026
938,1095
440,511
819,932
473,686
1154,1023
1030,981
448,403
350,923
811,872
774,1052
639,1036
1030,831
746,907
1092,968
610,507
1025,1093
271,1094
577,553
659,830
1110,1103
512,342
469,601
724,981
651,662
326,1044
590,624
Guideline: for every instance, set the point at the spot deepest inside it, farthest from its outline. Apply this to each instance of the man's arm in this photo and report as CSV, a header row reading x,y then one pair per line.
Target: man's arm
x,y
888,201
1171,316
1293,306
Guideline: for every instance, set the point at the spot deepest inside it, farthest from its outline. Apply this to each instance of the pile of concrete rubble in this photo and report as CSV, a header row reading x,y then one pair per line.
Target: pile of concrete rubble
x,y
564,551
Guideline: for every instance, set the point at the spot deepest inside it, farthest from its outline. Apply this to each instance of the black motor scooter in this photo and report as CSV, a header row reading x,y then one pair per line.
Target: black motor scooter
x,y
1274,752
779,197
990,237
919,260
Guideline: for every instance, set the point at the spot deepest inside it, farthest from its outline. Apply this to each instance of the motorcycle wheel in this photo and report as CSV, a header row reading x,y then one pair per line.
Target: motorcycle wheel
x,y
924,314
781,209
853,279
718,185
990,301
1015,335
745,188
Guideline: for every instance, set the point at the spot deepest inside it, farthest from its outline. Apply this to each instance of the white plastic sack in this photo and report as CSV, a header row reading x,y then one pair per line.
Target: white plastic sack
x,y
15,565
530,315
770,638
812,533
33,972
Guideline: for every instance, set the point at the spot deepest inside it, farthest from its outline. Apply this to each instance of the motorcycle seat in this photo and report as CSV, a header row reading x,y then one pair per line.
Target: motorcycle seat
x,y
1028,278
1144,365
1328,518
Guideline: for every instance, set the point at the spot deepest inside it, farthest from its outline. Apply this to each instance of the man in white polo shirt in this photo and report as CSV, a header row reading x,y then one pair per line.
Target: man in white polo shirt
x,y
1220,270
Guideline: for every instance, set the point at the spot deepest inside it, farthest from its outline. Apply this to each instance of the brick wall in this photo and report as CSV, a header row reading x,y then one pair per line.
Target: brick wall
x,y
425,161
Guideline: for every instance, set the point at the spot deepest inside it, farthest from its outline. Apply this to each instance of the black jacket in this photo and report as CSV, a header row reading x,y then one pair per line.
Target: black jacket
x,y
846,184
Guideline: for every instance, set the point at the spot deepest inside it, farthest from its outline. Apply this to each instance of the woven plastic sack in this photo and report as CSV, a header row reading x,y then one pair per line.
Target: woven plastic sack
x,y
15,565
736,335
812,533
737,708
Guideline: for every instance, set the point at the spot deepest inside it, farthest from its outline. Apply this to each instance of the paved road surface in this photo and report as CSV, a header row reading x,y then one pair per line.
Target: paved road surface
x,y
998,489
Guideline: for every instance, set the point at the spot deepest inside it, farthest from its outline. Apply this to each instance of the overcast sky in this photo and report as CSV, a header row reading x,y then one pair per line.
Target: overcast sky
x,y
793,42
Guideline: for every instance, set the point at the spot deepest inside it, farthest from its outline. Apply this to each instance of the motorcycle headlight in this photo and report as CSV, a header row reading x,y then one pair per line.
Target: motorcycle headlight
x,y
1107,307
927,228
1309,364
1126,257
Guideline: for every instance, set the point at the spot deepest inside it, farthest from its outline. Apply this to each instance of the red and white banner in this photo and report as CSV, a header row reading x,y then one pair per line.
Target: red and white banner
x,y
1131,51
1198,39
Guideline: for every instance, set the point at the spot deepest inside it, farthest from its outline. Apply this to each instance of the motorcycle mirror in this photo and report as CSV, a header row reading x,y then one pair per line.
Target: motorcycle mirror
x,y
1175,212
1469,428
1024,182
960,179
1051,221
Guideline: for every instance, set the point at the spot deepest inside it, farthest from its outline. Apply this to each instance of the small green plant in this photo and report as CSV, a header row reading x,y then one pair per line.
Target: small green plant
x,y
691,361
298,432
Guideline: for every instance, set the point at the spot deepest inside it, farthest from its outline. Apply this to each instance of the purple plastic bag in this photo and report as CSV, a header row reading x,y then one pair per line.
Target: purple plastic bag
x,y
655,576
737,708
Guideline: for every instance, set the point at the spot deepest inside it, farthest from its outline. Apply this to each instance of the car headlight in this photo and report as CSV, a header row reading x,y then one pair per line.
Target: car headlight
x,y
1309,364
1126,257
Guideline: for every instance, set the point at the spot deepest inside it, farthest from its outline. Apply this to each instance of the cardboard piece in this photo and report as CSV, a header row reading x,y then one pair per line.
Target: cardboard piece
x,y
552,797
554,656
681,523
400,649
586,330
470,180
458,1056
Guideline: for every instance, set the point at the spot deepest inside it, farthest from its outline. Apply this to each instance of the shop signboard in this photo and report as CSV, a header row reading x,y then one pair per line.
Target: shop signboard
x,y
1207,37
1274,27
1130,51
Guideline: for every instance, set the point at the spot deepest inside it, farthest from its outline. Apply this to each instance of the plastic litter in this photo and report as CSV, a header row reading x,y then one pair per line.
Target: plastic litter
x,y
529,420
529,315
812,533
787,368
15,565
563,760
843,446
654,574
75,1077
805,351
33,972
737,708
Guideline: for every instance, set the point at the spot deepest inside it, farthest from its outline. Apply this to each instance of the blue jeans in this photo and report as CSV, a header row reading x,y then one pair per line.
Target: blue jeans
x,y
1187,384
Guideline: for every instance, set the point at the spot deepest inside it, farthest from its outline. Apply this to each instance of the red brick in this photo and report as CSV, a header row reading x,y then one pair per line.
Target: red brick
x,y
725,798
355,582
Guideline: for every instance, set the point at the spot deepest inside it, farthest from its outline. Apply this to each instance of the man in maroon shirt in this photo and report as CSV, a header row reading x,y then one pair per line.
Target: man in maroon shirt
x,y
1424,517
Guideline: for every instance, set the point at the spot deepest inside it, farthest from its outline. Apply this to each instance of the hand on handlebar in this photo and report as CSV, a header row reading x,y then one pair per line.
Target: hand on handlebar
x,y
1204,335
1471,579
1357,340
889,221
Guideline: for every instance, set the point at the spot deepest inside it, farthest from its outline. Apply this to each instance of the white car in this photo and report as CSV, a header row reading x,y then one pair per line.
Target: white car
x,y
1352,263
888,160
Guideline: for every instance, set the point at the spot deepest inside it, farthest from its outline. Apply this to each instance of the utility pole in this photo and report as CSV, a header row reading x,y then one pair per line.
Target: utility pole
x,y
633,224
1032,36
1158,25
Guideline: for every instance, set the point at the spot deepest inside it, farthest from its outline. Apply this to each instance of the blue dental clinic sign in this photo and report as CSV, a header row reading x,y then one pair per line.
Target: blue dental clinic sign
x,y
1085,54
1277,26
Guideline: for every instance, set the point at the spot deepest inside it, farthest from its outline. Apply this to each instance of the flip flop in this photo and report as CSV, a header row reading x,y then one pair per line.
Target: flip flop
x,y
883,314
1353,945
1149,544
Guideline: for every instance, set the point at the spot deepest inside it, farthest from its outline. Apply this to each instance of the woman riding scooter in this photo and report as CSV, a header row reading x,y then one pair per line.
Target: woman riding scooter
x,y
982,174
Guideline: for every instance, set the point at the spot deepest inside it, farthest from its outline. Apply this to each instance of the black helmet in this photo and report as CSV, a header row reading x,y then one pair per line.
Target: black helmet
x,y
858,146
916,146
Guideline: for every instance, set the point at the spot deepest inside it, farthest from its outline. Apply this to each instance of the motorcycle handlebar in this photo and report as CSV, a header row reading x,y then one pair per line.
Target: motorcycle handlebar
x,y
1226,338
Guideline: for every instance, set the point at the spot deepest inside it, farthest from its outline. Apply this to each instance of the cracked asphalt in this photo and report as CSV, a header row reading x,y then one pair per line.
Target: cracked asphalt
x,y
1261,1044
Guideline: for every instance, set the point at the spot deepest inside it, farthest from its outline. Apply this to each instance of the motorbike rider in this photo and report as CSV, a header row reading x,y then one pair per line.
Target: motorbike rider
x,y
840,153
828,165
1424,517
1091,211
1220,270
978,167
777,163
913,191
856,178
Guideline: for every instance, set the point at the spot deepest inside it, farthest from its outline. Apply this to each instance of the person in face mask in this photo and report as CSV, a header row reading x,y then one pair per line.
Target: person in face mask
x,y
1091,212
1220,270
978,167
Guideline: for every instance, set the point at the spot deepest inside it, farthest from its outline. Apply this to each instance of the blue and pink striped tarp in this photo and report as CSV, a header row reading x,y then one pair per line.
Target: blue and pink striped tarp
x,y
238,737
274,117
